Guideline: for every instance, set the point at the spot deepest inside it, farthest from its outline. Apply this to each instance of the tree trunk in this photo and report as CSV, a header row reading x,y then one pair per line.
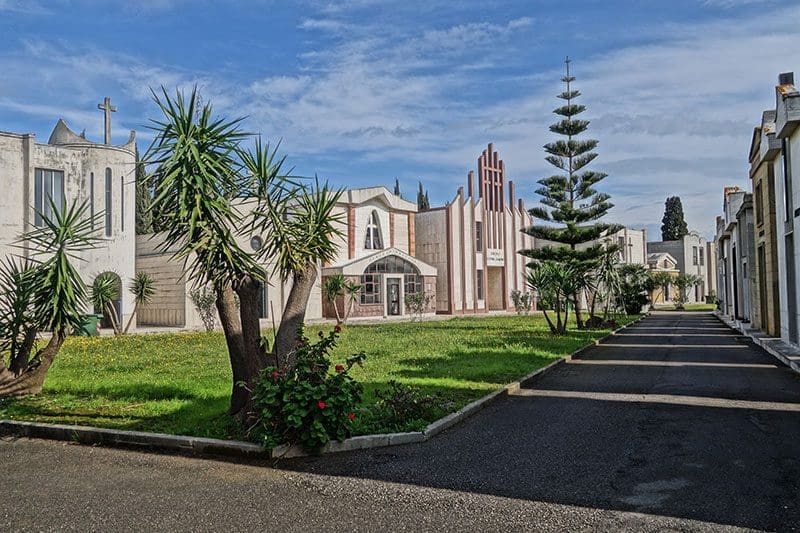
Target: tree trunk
x,y
578,317
19,363
294,315
254,355
232,327
32,378
130,320
549,322
112,316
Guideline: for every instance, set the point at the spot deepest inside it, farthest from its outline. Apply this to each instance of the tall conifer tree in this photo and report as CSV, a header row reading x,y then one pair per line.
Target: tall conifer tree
x,y
673,225
144,216
571,206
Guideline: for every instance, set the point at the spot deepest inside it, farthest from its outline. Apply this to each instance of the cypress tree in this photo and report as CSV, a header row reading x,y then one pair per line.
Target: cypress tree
x,y
396,187
571,206
144,216
673,225
422,198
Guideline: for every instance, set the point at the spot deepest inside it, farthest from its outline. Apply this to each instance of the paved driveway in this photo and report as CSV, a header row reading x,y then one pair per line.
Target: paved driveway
x,y
676,424
675,416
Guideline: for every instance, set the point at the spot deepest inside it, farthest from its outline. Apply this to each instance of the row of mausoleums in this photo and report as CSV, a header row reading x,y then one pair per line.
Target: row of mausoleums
x,y
464,256
758,258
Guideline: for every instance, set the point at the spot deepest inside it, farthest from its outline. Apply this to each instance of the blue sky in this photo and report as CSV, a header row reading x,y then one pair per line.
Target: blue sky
x,y
363,91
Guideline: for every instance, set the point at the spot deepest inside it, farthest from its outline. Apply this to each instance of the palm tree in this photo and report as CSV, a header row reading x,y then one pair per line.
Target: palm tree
x,y
104,292
143,289
351,292
336,286
684,282
555,284
51,296
332,289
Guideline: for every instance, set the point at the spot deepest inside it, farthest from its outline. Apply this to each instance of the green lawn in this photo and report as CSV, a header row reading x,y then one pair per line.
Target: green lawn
x,y
180,383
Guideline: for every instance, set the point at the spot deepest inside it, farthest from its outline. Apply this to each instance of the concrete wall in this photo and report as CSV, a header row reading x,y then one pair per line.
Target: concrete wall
x,y
20,156
431,248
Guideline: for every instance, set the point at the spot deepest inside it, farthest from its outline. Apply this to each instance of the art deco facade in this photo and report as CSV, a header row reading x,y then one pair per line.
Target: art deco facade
x,y
474,242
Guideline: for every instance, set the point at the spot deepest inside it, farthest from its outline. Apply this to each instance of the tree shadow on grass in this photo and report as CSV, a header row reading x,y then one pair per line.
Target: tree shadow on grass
x,y
137,407
474,365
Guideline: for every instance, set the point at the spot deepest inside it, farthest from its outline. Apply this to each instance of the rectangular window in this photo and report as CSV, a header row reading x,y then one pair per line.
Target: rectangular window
x,y
478,236
702,259
759,205
621,246
413,284
91,197
108,202
694,255
479,285
787,183
48,187
122,203
371,288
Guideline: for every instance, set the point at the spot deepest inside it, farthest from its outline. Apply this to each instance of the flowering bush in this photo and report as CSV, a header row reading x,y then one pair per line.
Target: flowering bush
x,y
308,404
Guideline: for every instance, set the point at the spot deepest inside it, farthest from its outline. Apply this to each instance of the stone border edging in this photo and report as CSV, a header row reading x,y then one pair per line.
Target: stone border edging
x,y
231,448
139,439
762,341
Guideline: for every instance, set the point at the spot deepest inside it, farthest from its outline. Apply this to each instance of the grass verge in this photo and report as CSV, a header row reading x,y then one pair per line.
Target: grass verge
x,y
180,383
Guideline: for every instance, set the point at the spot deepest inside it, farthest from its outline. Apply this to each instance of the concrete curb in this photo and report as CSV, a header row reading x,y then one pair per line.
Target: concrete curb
x,y
763,341
138,439
248,450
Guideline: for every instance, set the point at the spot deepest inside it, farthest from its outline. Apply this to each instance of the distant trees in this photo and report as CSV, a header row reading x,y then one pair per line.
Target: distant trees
x,y
673,225
396,187
571,207
144,216
422,198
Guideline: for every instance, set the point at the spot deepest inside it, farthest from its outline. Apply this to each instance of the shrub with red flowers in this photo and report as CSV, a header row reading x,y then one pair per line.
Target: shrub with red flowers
x,y
308,404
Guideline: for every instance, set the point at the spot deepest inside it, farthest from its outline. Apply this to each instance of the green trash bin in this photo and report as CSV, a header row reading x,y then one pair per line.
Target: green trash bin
x,y
89,326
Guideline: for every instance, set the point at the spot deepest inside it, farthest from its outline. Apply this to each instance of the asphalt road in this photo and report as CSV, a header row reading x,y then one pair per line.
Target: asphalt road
x,y
674,425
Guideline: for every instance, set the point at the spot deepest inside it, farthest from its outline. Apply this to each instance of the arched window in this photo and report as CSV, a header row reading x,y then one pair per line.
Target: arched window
x,y
373,240
108,202
372,280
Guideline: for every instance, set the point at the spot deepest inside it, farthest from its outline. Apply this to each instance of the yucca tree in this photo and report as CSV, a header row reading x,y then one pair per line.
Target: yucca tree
x,y
336,286
554,284
332,289
50,295
571,205
143,288
105,290
196,175
299,237
18,324
684,282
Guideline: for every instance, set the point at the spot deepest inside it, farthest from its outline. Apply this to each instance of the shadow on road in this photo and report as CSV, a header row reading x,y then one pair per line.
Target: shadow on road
x,y
676,416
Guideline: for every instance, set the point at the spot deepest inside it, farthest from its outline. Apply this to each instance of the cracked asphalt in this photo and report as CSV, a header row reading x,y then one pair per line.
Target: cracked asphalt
x,y
675,424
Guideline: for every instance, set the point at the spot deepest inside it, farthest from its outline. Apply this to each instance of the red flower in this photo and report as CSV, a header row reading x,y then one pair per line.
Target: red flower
x,y
321,404
337,329
276,375
340,368
351,416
